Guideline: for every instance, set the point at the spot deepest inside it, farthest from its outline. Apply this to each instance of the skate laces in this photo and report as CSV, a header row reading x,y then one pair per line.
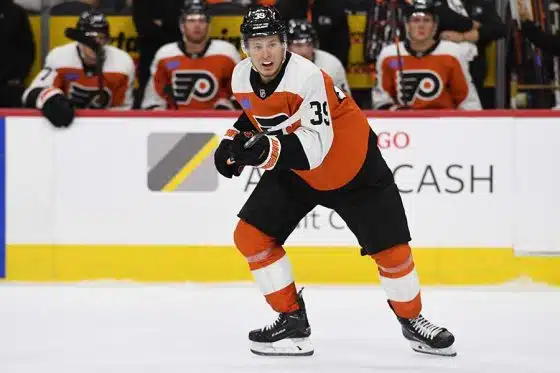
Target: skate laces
x,y
424,327
274,324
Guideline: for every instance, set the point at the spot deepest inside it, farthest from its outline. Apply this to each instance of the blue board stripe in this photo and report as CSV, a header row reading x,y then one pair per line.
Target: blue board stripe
x,y
2,197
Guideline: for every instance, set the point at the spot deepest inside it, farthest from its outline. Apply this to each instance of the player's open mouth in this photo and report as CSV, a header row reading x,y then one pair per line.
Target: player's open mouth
x,y
267,63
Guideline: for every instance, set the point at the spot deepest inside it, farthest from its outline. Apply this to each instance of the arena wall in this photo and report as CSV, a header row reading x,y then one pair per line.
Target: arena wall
x,y
135,196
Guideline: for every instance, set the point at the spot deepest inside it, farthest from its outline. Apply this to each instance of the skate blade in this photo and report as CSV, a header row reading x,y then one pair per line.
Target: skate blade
x,y
425,349
284,347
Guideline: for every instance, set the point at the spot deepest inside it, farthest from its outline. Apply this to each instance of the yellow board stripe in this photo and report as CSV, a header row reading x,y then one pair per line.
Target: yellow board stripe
x,y
320,265
192,164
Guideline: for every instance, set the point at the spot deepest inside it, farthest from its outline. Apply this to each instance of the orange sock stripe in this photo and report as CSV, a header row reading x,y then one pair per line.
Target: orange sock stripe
x,y
284,300
265,258
397,272
394,256
250,241
395,262
408,309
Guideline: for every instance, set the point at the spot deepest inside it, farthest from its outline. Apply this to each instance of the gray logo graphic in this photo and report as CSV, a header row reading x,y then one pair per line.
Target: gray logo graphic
x,y
182,162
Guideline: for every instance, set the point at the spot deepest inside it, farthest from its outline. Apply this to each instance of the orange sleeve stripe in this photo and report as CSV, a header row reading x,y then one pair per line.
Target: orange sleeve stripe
x,y
274,154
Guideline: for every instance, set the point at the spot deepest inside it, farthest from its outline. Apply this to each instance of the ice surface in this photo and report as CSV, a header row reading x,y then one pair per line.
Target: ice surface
x,y
107,327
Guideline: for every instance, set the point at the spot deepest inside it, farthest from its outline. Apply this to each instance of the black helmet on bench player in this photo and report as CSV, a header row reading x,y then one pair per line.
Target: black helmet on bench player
x,y
301,31
93,23
262,21
194,7
422,8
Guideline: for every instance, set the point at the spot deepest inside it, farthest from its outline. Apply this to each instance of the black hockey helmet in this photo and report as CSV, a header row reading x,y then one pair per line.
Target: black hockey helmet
x,y
301,31
420,7
93,22
195,7
262,21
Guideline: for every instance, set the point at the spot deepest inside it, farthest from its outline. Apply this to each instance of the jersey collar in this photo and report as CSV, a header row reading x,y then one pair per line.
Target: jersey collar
x,y
263,90
183,48
413,53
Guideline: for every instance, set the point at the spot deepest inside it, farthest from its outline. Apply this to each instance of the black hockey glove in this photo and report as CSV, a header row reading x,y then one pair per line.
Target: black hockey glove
x,y
56,107
263,154
238,143
221,157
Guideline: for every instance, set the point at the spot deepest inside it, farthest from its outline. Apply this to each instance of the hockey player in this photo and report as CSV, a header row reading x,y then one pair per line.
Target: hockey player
x,y
302,40
86,73
328,157
421,72
194,73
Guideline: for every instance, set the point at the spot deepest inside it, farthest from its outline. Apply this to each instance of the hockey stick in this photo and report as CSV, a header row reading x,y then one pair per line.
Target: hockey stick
x,y
373,41
100,78
396,40
554,7
285,124
168,90
538,60
80,37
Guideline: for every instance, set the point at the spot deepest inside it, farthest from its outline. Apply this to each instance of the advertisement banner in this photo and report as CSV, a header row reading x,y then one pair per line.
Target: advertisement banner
x,y
150,181
139,198
537,202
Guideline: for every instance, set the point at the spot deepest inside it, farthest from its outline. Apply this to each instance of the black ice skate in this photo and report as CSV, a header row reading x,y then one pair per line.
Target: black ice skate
x,y
426,337
287,336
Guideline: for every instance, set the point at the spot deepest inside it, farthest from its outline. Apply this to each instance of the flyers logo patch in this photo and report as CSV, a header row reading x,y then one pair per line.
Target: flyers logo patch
x,y
419,84
198,84
89,97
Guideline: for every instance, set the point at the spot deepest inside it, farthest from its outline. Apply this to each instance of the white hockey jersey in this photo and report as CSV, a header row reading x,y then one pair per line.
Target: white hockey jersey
x,y
436,79
332,66
332,131
191,81
65,70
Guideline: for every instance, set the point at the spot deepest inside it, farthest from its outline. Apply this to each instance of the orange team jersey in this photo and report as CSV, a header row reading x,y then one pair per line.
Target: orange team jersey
x,y
437,79
333,132
64,70
195,81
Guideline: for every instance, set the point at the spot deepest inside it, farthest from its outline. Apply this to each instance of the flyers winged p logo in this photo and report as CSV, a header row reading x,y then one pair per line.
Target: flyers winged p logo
x,y
200,85
418,84
83,96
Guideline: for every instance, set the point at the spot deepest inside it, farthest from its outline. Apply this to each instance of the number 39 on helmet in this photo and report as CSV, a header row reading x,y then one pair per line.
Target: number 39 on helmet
x,y
262,21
